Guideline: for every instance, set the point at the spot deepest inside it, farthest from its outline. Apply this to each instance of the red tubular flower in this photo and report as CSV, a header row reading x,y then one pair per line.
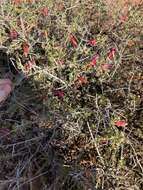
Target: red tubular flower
x,y
25,49
111,53
59,93
123,18
29,65
92,42
94,60
60,62
13,34
73,41
106,66
120,123
45,11
82,80
17,2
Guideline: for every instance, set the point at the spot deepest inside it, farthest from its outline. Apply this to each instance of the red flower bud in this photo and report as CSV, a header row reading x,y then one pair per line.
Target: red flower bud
x,y
25,49
111,53
120,123
13,35
45,11
73,41
92,42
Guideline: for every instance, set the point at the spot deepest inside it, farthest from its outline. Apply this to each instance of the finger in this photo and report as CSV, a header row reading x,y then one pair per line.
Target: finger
x,y
4,91
5,81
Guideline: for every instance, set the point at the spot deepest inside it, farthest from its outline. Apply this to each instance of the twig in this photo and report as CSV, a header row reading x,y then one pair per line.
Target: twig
x,y
94,142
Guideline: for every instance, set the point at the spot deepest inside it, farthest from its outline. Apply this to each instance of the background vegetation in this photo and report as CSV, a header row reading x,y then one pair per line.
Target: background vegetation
x,y
74,119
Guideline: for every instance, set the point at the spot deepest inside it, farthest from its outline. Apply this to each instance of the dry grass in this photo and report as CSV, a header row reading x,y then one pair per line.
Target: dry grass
x,y
58,129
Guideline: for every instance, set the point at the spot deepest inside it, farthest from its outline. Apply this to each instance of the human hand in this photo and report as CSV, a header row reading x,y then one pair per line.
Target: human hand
x,y
5,89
